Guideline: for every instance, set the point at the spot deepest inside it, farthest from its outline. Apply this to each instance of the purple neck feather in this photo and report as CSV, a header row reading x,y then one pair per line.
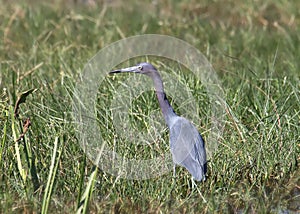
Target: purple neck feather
x,y
164,103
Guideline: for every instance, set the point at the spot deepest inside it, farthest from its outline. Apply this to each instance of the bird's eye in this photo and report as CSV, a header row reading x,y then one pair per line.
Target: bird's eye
x,y
140,67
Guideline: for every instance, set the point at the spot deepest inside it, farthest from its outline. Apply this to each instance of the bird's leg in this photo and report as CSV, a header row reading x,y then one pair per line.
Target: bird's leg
x,y
195,185
173,183
174,170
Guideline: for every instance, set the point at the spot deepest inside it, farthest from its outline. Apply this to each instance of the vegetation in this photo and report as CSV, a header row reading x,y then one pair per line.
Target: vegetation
x,y
254,48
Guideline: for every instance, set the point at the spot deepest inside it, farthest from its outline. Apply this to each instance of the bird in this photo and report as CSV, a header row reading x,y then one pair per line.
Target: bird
x,y
186,143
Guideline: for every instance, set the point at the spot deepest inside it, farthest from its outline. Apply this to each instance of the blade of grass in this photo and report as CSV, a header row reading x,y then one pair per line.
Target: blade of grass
x,y
3,137
17,149
51,177
83,205
81,183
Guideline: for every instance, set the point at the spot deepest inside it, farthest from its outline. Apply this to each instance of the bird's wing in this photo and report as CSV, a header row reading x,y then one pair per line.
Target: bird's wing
x,y
187,146
200,152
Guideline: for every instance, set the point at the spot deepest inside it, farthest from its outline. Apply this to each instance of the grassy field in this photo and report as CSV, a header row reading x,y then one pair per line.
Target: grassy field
x,y
254,48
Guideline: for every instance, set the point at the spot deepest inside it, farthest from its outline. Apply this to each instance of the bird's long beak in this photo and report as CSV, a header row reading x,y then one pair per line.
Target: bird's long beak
x,y
133,69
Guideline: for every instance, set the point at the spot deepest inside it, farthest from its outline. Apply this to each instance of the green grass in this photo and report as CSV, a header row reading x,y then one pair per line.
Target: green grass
x,y
254,48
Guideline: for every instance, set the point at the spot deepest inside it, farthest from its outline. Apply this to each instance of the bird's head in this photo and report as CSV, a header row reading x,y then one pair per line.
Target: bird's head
x,y
141,68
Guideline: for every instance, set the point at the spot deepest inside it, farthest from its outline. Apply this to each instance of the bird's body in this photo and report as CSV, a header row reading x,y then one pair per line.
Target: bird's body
x,y
186,144
187,148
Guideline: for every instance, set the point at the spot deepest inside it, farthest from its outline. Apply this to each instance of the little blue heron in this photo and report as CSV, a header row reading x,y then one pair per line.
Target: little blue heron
x,y
187,145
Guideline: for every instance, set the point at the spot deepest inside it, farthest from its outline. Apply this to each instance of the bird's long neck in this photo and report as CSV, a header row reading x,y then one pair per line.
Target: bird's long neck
x,y
164,103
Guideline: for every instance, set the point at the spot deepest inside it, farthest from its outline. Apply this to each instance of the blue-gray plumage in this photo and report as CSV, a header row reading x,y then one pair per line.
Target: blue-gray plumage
x,y
186,143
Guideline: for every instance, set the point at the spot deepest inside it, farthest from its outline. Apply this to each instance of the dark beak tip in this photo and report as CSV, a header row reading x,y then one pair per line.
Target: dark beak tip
x,y
115,72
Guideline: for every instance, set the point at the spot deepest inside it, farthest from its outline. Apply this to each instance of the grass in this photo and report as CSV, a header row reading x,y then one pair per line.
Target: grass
x,y
254,48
